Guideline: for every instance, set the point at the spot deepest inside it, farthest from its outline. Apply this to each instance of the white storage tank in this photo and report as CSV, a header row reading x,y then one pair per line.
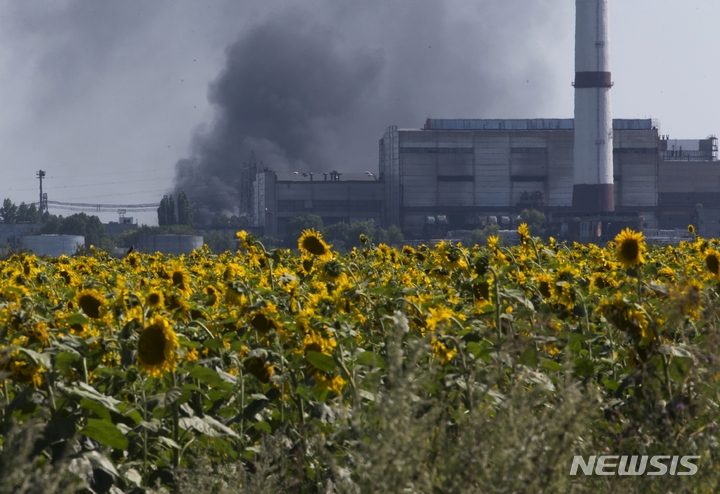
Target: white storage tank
x,y
52,245
170,244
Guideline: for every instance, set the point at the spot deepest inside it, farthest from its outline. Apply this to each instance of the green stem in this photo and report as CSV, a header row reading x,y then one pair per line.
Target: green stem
x,y
176,424
6,391
496,286
85,371
145,434
51,395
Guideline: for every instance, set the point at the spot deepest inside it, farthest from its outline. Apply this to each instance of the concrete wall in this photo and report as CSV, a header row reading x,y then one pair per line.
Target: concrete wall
x,y
708,222
10,233
52,245
681,186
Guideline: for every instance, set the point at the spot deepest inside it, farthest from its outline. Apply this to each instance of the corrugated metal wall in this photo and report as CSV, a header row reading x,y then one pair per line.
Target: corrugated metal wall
x,y
560,169
492,168
635,162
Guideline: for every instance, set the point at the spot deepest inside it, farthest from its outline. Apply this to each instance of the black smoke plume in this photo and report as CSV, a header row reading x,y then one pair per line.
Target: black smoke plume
x,y
312,92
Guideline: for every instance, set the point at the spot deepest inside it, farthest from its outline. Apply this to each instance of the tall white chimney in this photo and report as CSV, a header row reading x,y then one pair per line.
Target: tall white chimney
x,y
593,148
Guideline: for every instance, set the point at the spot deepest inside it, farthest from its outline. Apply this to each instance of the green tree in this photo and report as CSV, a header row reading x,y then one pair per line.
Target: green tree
x,y
166,211
27,213
185,215
220,242
172,219
345,236
480,236
52,224
297,224
391,236
223,221
162,212
132,237
89,227
8,211
534,219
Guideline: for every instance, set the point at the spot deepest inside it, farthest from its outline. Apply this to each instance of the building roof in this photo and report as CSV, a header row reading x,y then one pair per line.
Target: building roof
x,y
319,177
530,124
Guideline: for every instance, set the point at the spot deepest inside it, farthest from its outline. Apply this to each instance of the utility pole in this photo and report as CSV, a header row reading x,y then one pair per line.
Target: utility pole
x,y
43,199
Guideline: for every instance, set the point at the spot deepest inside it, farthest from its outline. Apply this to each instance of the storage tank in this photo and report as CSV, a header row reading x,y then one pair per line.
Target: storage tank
x,y
52,245
170,244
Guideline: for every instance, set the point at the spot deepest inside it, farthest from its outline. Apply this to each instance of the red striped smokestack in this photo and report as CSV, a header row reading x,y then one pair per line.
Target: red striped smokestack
x,y
593,167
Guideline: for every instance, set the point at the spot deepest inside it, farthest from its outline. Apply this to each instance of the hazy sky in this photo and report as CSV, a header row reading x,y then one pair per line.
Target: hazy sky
x,y
108,96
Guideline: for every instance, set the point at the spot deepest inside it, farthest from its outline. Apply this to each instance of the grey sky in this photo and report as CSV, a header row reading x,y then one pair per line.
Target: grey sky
x,y
108,96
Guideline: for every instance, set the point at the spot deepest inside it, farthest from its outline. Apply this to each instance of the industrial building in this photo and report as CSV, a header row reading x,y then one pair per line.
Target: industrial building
x,y
333,196
591,175
465,171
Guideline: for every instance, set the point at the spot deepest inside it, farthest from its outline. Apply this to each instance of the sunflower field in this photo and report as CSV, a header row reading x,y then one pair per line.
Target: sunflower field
x,y
431,369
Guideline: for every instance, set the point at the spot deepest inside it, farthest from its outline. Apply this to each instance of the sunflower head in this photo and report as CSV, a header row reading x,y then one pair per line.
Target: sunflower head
x,y
712,262
312,243
155,299
180,278
157,347
307,265
691,229
629,248
26,373
332,269
524,232
262,322
91,302
212,295
546,284
259,368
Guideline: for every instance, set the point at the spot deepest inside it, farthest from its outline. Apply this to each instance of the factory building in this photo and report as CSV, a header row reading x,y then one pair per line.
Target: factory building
x,y
334,196
591,175
466,170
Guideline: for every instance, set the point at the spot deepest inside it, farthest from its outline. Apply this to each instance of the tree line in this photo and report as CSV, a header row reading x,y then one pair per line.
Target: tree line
x,y
167,212
24,213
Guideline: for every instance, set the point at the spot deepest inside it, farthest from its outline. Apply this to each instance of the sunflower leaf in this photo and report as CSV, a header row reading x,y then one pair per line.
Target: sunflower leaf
x,y
106,433
86,391
209,376
77,319
39,358
370,359
320,361
164,399
198,425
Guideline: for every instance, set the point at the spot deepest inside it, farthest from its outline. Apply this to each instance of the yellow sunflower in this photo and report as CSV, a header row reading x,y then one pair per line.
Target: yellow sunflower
x,y
157,347
180,279
524,232
91,302
259,368
25,373
442,352
261,321
311,242
545,285
691,229
630,246
334,384
242,236
712,262
155,298
212,296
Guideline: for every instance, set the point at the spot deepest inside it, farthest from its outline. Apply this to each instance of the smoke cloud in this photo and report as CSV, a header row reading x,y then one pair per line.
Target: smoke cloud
x,y
314,89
